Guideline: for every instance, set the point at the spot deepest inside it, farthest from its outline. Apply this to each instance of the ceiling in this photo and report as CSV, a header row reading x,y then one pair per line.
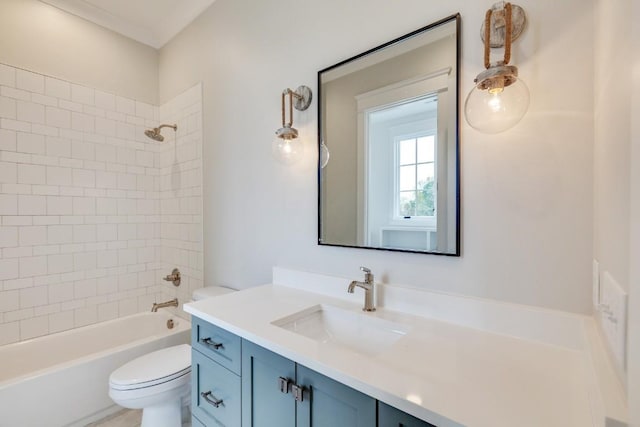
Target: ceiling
x,y
152,22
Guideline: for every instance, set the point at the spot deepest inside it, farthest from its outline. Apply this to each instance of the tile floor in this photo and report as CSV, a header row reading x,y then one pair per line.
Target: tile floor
x,y
124,418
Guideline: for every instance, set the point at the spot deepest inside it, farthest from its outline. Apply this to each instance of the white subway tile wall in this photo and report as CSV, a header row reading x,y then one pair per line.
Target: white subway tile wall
x,y
180,175
92,213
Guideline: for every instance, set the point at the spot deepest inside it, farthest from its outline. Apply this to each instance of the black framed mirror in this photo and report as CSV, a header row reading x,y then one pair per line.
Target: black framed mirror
x,y
388,138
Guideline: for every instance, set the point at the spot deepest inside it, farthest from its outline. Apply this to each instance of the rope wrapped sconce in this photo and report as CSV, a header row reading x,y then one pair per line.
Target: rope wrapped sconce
x,y
499,99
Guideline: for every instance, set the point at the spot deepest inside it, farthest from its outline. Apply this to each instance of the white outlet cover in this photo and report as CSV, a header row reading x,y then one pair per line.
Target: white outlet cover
x,y
614,323
596,283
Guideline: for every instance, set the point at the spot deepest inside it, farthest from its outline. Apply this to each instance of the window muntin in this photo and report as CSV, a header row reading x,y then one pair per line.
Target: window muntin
x,y
415,189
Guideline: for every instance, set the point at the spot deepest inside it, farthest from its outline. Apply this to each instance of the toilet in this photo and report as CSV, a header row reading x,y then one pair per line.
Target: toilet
x,y
159,382
210,291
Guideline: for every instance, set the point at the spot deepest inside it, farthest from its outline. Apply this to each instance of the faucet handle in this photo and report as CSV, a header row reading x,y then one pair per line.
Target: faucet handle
x,y
174,277
368,276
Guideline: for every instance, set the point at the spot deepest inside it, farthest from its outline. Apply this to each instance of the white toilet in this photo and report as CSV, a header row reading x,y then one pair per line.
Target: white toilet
x,y
210,291
158,382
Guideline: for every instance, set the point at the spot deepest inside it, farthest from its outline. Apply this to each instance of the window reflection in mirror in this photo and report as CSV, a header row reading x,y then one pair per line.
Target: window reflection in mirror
x,y
389,117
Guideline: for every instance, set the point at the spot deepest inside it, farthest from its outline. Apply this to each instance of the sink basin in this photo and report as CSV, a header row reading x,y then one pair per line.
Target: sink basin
x,y
330,325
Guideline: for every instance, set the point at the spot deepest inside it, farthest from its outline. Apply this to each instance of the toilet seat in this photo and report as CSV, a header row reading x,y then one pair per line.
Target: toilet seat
x,y
153,369
146,384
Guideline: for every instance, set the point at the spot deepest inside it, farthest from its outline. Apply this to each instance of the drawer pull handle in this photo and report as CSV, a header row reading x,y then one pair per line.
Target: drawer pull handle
x,y
209,342
211,400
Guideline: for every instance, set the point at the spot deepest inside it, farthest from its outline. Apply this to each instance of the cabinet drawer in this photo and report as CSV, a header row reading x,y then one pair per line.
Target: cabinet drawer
x,y
196,422
215,392
388,416
218,344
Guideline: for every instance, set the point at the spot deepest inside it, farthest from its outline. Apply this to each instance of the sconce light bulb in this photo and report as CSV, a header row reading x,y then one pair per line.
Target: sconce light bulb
x,y
494,102
286,147
497,102
287,150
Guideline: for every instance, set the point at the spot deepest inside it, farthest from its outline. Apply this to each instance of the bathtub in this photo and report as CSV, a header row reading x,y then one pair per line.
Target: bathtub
x,y
62,379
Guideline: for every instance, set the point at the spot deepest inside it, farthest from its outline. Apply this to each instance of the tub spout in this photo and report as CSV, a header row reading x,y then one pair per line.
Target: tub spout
x,y
171,303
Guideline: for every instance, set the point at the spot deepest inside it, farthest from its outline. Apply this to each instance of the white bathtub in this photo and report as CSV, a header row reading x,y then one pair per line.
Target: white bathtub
x,y
62,379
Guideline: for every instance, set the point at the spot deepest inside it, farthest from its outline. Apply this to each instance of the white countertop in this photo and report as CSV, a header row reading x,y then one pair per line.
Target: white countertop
x,y
443,373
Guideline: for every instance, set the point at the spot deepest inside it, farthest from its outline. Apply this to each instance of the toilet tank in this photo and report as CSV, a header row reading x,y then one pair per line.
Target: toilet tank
x,y
210,291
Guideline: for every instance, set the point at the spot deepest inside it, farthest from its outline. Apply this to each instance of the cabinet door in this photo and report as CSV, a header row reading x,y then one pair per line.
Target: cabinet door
x,y
263,404
327,403
389,416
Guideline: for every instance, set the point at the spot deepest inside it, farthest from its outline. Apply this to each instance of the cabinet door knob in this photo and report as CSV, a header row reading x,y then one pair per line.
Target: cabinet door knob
x,y
283,384
211,400
298,392
209,342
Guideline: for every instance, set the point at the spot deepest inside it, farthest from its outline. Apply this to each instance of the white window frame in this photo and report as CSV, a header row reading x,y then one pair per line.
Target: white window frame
x,y
417,220
414,221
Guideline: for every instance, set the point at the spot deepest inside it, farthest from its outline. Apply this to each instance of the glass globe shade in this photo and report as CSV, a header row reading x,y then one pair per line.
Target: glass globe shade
x,y
324,155
287,151
496,109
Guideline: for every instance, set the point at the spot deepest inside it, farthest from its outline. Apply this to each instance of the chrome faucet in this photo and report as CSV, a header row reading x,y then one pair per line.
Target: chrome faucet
x,y
369,287
171,303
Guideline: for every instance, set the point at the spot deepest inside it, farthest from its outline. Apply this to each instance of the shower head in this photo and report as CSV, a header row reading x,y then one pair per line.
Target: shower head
x,y
155,132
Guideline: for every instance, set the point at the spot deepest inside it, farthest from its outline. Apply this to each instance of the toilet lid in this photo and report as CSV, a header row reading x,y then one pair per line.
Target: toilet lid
x,y
210,291
153,368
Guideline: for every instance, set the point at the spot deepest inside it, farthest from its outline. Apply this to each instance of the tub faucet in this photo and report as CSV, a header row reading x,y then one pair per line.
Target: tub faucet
x,y
368,285
171,303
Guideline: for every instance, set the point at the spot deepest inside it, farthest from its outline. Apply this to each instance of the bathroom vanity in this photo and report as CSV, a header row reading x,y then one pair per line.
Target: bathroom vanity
x,y
302,352
238,383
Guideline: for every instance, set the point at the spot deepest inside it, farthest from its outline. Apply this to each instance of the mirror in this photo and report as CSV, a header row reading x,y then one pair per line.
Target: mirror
x,y
389,118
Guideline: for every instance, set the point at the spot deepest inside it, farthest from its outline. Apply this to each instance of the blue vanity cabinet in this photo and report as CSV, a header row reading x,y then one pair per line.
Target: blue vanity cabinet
x,y
215,393
196,422
388,416
216,343
215,376
266,383
328,403
236,383
277,392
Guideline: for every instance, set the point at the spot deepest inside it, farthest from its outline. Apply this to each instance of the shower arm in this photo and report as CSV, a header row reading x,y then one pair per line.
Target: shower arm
x,y
174,127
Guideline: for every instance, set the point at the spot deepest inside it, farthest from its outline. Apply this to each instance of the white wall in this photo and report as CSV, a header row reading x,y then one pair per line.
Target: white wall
x,y
616,178
41,38
79,205
526,194
180,172
633,369
612,127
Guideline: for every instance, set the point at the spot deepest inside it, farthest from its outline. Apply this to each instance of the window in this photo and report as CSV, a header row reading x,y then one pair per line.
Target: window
x,y
415,177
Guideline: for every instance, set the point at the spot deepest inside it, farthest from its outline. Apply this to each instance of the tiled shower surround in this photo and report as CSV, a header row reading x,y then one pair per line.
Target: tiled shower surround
x,y
93,213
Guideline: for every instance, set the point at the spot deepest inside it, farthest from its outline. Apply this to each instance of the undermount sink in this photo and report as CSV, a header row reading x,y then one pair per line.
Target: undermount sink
x,y
330,325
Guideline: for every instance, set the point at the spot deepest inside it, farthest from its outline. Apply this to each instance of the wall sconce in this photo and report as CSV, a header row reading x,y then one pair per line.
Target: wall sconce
x,y
285,147
500,99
